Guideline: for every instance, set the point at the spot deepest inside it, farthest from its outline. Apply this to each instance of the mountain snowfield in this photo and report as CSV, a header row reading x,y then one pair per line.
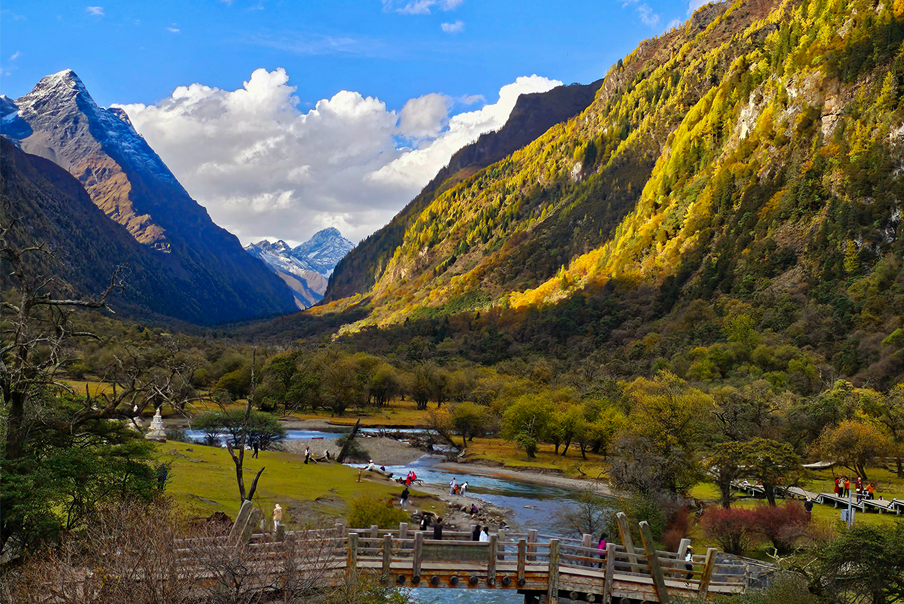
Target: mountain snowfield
x,y
305,268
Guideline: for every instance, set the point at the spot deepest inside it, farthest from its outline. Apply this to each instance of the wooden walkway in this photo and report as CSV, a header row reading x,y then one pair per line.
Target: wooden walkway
x,y
881,506
543,568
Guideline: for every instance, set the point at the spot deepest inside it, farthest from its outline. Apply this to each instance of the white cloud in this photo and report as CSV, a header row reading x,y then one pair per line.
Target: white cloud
x,y
424,117
453,28
15,56
96,11
174,30
419,7
647,15
693,5
416,167
265,169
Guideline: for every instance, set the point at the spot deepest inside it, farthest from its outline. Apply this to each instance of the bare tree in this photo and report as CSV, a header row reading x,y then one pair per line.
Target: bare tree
x,y
238,456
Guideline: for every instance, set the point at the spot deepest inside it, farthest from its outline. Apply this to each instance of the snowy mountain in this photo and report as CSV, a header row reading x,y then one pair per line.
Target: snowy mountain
x,y
307,267
59,121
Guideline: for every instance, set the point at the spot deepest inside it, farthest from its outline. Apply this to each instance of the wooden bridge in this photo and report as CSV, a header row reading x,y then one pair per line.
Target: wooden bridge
x,y
542,568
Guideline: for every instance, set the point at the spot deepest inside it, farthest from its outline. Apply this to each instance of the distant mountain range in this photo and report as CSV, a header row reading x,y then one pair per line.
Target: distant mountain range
x,y
199,271
307,267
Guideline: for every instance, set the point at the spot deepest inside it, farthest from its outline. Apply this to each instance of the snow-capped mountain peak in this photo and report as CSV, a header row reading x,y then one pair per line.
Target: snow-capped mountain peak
x,y
311,263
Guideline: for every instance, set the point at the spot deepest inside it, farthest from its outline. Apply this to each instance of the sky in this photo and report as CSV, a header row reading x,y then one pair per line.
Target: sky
x,y
285,117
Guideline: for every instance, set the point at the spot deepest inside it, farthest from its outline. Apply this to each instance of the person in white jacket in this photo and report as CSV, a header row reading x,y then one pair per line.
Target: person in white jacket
x,y
484,536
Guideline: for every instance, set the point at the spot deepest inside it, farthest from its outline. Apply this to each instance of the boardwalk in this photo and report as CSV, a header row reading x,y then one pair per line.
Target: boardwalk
x,y
892,506
542,568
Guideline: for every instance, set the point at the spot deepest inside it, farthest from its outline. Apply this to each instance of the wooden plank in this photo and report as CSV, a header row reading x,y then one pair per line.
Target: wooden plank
x,y
491,561
464,552
626,538
610,573
708,568
387,558
374,531
522,559
650,546
531,545
352,560
253,521
403,530
552,592
417,556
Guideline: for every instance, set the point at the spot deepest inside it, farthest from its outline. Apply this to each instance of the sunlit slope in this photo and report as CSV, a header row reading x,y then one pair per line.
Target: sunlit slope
x,y
761,139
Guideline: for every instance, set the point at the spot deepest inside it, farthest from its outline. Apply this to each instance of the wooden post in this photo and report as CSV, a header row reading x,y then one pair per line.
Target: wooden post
x,y
491,560
417,554
650,547
253,520
352,563
610,573
387,558
585,542
241,519
708,567
403,530
522,559
374,531
532,547
501,548
552,592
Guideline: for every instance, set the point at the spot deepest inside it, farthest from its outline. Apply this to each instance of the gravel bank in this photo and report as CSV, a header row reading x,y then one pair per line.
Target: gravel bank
x,y
384,451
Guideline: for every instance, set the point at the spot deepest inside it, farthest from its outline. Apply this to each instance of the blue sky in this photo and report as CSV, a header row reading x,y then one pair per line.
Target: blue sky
x,y
410,66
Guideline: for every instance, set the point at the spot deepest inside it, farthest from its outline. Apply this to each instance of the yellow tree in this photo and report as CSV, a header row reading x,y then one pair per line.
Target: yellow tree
x,y
854,445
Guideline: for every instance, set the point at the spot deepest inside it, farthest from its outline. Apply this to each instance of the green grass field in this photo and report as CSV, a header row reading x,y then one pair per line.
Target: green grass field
x,y
203,480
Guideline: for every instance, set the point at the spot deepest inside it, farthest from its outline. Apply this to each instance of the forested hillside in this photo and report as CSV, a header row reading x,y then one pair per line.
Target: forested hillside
x,y
729,203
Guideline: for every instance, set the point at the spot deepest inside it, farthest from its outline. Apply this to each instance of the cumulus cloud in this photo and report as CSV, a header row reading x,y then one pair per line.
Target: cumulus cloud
x,y
453,28
96,11
174,30
265,169
420,7
408,171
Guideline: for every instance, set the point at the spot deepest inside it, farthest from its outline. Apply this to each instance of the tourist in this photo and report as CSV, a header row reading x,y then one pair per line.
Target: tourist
x,y
277,517
870,491
255,448
847,487
464,490
484,535
838,487
475,534
425,522
474,510
602,547
808,507
859,485
438,529
689,562
452,486
307,454
405,498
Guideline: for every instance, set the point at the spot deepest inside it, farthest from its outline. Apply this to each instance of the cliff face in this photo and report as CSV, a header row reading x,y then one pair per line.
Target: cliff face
x,y
59,121
532,115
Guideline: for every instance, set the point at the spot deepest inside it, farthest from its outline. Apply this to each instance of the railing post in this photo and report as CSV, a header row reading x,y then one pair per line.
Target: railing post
x,y
374,531
352,563
532,544
241,519
610,572
585,542
501,548
403,530
708,567
653,560
626,539
522,559
417,554
552,592
387,558
491,561
253,521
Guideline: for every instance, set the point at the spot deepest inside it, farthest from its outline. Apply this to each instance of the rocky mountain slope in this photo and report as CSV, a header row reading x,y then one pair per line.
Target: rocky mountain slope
x,y
749,159
59,121
532,115
307,267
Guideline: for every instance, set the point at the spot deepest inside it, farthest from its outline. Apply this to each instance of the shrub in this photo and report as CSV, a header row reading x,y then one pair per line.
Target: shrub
x,y
368,510
782,525
731,528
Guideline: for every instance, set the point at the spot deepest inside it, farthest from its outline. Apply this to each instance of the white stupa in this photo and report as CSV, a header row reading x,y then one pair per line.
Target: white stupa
x,y
156,432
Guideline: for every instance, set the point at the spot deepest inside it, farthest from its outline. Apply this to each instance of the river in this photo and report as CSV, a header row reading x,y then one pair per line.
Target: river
x,y
530,505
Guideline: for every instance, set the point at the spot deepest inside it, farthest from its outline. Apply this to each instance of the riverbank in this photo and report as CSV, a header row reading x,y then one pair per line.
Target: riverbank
x,y
538,477
384,451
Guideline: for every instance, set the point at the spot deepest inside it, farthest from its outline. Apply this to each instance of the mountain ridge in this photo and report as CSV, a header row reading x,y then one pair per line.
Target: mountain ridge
x,y
58,120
